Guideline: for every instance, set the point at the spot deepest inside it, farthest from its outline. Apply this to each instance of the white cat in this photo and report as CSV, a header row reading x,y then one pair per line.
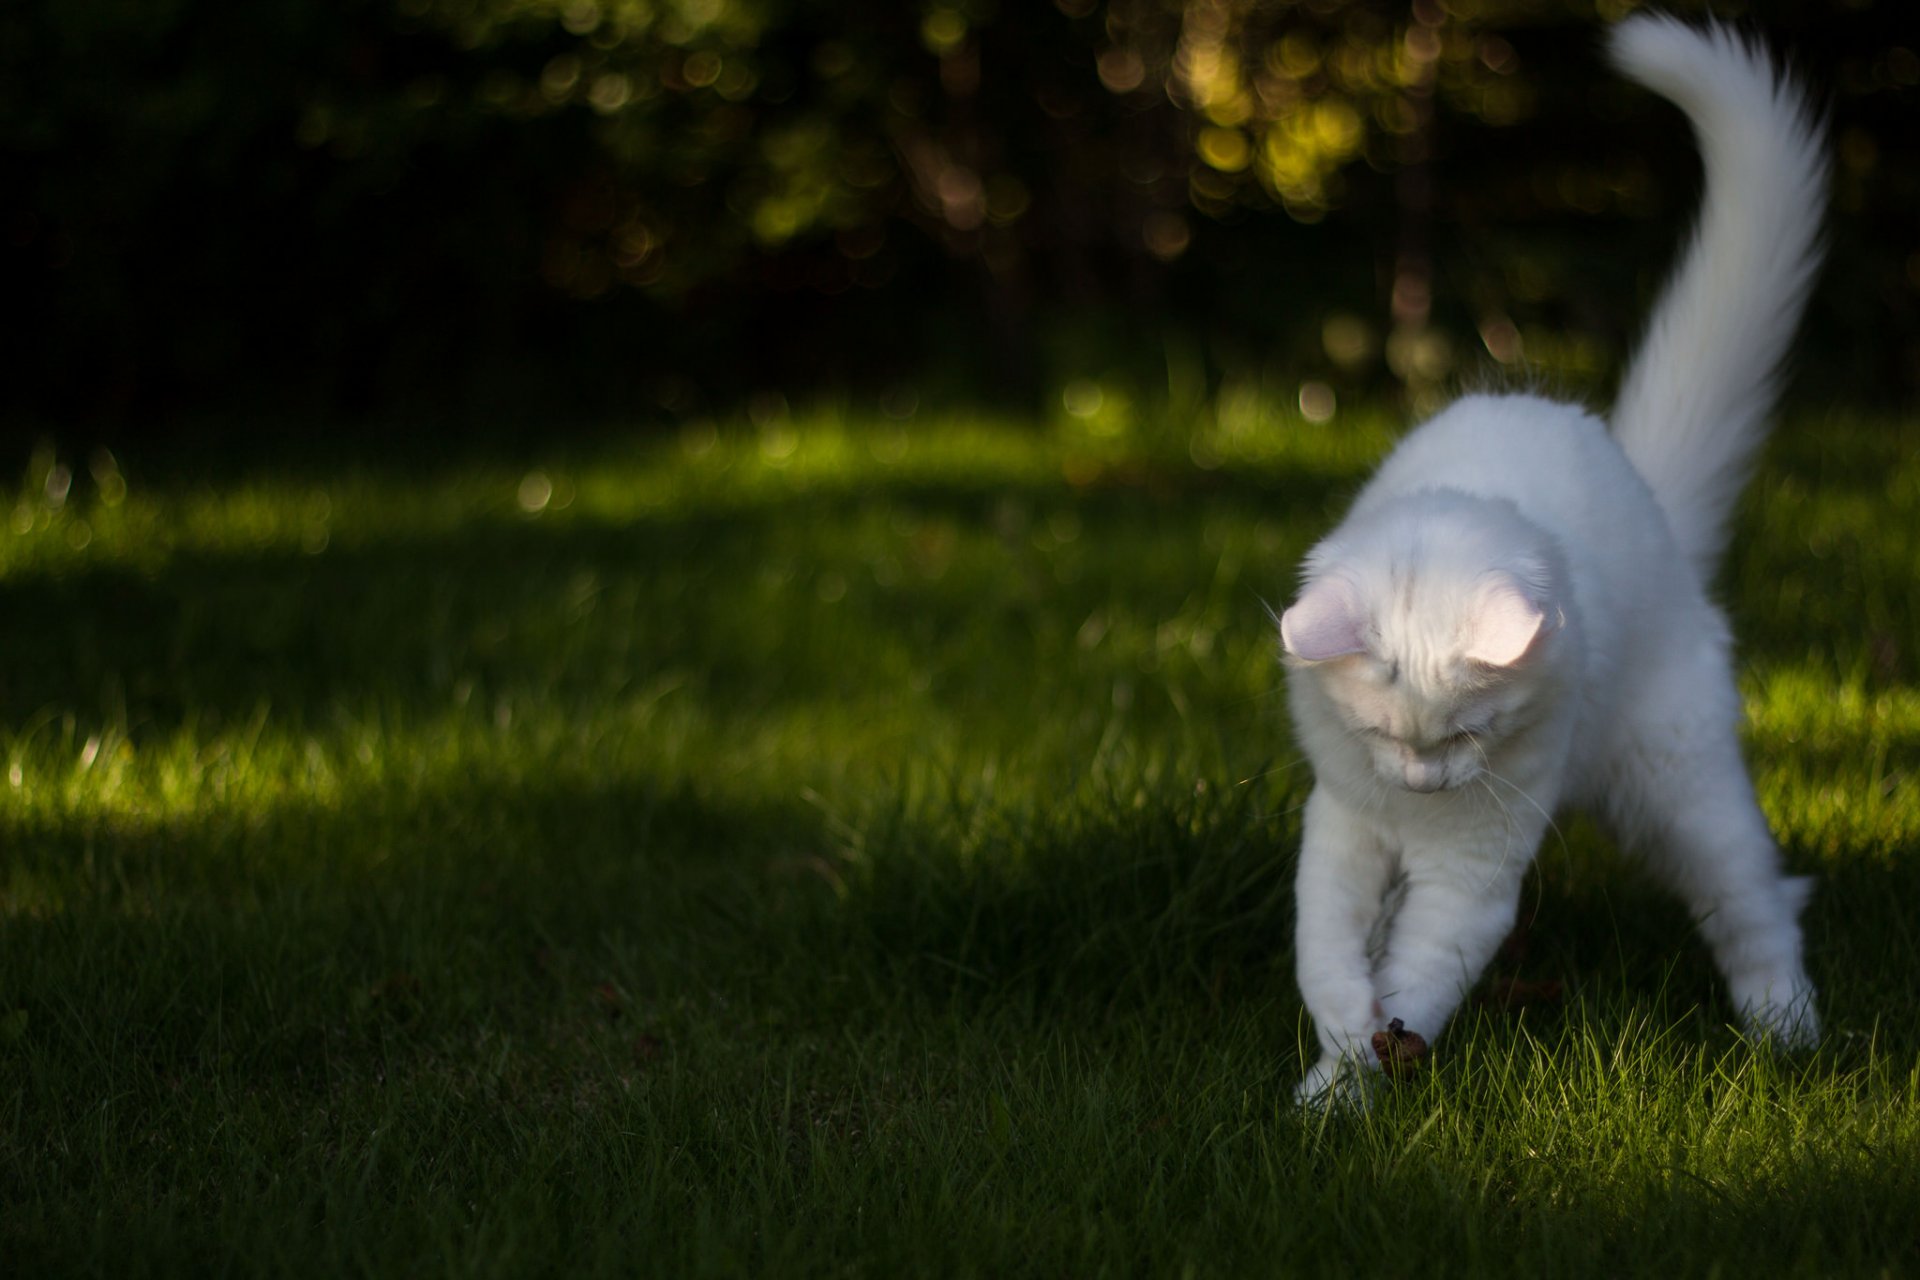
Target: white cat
x,y
1514,616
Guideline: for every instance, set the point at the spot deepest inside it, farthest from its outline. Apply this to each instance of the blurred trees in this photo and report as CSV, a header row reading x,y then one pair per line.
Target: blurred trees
x,y
586,205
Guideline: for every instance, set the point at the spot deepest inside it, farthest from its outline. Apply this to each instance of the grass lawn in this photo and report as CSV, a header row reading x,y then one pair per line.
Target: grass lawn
x,y
836,849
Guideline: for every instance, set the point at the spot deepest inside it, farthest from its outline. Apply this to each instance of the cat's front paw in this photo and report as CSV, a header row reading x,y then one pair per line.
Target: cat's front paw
x,y
1334,1082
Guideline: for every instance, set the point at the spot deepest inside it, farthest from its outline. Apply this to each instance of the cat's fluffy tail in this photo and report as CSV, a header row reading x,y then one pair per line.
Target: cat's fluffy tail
x,y
1693,409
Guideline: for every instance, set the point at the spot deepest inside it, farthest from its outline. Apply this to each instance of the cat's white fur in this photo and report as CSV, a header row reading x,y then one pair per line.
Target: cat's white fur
x,y
1514,616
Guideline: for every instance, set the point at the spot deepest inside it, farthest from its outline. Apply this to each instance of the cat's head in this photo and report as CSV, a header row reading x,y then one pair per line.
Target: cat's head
x,y
1428,629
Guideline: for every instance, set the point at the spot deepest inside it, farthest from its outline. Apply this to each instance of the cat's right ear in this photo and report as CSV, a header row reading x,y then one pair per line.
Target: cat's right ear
x,y
1329,620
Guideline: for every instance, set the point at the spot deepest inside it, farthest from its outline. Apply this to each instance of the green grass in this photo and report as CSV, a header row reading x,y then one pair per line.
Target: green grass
x,y
843,850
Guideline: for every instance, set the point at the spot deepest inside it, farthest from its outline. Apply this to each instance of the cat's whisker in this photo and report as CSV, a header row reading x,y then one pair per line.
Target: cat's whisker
x,y
1288,767
1506,810
1279,813
1487,770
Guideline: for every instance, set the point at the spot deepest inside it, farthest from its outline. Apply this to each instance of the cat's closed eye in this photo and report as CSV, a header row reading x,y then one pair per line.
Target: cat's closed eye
x,y
1468,733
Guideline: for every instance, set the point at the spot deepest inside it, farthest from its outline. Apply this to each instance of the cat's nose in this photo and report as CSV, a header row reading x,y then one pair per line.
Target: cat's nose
x,y
1422,775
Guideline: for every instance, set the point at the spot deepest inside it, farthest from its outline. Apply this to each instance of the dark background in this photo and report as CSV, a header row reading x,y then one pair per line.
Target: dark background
x,y
448,215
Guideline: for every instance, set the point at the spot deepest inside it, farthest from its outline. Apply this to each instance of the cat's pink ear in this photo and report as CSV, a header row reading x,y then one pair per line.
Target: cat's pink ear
x,y
1504,624
1327,621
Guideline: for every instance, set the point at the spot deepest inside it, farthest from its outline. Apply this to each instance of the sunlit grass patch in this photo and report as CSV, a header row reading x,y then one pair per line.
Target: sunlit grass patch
x,y
1836,768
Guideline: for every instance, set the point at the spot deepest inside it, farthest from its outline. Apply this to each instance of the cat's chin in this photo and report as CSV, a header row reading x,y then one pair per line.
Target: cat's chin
x,y
1427,786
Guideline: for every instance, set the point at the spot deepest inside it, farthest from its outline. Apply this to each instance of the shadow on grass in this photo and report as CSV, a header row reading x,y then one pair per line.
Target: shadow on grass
x,y
392,929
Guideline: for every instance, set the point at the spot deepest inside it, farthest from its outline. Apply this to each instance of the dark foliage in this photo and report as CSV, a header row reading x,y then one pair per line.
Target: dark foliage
x,y
452,210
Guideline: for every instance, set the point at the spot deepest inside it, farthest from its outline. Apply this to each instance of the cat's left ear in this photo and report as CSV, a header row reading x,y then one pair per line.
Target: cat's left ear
x,y
1505,622
1329,620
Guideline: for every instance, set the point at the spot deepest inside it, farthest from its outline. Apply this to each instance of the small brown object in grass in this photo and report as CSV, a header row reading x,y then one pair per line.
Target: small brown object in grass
x,y
1399,1049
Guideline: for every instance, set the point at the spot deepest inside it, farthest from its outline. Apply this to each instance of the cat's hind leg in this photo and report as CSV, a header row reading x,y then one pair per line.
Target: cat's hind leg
x,y
1679,794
